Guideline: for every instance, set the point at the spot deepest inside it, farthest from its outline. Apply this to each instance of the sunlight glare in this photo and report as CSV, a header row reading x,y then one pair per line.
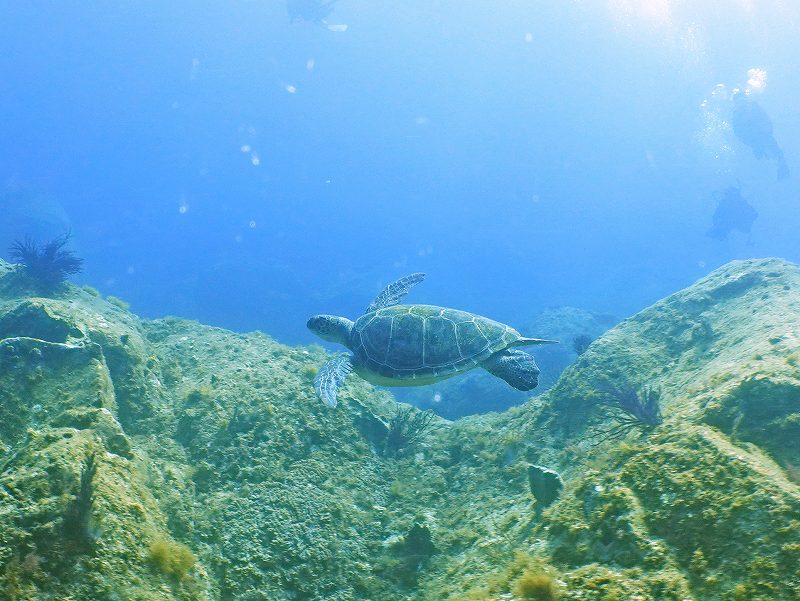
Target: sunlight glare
x,y
756,80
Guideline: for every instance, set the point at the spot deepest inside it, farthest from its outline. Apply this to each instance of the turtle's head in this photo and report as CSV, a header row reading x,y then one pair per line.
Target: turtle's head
x,y
331,328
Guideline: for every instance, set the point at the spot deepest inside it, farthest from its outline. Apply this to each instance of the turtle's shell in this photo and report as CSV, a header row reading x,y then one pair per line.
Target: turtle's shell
x,y
424,342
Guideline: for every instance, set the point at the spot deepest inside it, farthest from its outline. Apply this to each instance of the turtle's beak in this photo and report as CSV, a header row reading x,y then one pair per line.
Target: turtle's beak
x,y
330,328
314,324
322,326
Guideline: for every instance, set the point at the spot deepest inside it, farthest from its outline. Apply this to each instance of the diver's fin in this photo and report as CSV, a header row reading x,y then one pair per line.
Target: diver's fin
x,y
392,294
531,341
330,377
337,27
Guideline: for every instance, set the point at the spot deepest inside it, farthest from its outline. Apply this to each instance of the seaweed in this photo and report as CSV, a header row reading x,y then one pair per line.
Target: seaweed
x,y
174,559
46,265
536,586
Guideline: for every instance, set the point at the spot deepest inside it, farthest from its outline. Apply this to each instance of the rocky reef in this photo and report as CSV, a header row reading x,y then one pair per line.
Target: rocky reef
x,y
160,460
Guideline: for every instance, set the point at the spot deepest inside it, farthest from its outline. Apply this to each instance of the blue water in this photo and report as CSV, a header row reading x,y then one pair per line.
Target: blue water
x,y
219,161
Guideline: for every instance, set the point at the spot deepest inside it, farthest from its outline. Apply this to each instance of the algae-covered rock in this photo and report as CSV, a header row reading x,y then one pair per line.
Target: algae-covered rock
x,y
546,484
170,460
41,380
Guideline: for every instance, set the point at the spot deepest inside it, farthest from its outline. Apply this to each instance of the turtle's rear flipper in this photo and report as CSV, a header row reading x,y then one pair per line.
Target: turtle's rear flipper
x,y
515,367
330,377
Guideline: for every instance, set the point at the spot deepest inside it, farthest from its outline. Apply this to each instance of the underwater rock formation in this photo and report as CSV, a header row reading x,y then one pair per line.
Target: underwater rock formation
x,y
545,484
217,474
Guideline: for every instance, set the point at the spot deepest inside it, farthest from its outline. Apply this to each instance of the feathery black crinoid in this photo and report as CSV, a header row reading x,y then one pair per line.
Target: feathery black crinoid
x,y
49,264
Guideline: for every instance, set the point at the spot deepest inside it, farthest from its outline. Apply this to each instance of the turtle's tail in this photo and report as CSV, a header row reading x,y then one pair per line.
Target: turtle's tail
x,y
531,341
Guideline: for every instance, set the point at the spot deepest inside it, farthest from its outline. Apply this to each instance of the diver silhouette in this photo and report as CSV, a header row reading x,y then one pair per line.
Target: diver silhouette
x,y
753,127
733,212
313,11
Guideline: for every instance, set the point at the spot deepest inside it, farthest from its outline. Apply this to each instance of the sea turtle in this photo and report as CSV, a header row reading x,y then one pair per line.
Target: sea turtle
x,y
414,345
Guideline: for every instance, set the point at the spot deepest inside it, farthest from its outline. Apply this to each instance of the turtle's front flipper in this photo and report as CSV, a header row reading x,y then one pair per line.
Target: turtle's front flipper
x,y
330,377
515,367
392,294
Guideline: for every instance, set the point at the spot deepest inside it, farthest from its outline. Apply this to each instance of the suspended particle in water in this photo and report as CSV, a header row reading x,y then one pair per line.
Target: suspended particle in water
x,y
252,224
290,88
310,64
131,270
195,68
255,160
183,208
529,37
245,148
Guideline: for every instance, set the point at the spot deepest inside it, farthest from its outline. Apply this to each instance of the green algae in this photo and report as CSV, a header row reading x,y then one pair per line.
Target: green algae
x,y
171,558
212,449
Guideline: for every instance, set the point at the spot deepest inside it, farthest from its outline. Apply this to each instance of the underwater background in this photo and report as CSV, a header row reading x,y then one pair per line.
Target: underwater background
x,y
248,165
617,175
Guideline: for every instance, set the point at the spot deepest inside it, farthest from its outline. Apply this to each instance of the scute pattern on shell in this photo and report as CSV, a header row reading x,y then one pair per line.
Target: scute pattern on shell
x,y
425,341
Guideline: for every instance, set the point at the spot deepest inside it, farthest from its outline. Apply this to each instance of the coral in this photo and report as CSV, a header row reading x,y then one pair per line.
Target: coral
x,y
49,264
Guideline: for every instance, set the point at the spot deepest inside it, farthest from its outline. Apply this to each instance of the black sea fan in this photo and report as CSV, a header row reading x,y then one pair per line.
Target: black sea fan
x,y
629,409
406,428
49,264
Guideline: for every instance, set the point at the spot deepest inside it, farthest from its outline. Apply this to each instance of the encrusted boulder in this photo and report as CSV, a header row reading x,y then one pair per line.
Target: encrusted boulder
x,y
546,484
